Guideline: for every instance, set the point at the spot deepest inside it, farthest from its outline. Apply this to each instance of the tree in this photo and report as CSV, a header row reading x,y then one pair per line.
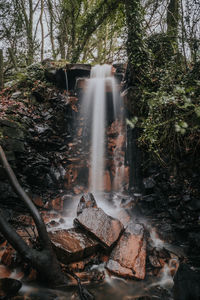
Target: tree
x,y
76,21
43,260
173,17
1,68
137,78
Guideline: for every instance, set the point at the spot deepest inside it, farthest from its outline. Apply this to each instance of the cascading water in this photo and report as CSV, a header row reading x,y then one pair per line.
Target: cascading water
x,y
101,106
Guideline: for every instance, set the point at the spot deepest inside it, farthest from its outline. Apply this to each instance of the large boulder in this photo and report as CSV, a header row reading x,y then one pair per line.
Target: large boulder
x,y
103,227
128,258
72,245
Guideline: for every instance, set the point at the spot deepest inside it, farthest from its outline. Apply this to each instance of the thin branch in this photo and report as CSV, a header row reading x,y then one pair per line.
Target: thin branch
x,y
25,198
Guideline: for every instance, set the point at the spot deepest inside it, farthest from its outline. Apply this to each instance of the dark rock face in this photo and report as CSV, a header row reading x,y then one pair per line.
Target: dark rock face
x,y
103,227
72,245
86,201
186,284
9,287
128,258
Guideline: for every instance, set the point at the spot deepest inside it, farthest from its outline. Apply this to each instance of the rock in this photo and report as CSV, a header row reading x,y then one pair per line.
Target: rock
x,y
4,272
37,200
9,257
128,258
25,220
86,278
78,189
107,181
16,95
49,216
154,261
14,133
86,201
72,245
55,204
100,225
186,284
9,287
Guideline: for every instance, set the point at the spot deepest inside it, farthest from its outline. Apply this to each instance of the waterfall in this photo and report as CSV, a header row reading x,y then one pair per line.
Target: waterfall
x,y
100,107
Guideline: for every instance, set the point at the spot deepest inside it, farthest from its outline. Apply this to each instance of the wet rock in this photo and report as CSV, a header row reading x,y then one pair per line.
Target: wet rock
x,y
186,284
86,201
86,278
9,257
100,225
128,258
107,181
78,190
9,287
4,272
42,129
49,216
25,220
124,217
72,245
55,204
154,261
37,200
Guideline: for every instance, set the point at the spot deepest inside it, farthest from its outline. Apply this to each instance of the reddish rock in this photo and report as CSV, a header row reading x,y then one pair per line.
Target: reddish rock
x,y
86,278
49,216
86,201
107,181
71,176
72,245
103,227
4,272
128,258
115,128
8,257
126,174
25,220
3,248
78,189
57,204
120,141
37,200
77,266
124,217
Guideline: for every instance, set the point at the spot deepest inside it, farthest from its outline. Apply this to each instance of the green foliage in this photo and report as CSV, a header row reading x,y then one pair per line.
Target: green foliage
x,y
171,126
138,54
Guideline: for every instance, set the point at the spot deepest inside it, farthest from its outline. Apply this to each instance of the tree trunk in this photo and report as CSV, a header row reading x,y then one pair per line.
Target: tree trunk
x,y
136,77
172,22
1,69
44,261
50,8
42,30
29,31
13,59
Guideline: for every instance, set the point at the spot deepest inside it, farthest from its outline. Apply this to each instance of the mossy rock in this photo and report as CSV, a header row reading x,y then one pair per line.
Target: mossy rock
x,y
14,133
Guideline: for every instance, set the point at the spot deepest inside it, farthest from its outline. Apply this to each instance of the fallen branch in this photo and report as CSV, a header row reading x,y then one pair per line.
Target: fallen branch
x,y
44,261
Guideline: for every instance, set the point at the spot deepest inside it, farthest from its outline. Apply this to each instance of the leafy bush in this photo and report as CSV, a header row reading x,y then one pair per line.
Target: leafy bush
x,y
171,127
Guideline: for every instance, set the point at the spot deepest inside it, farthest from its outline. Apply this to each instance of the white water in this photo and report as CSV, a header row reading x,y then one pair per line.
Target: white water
x,y
94,113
